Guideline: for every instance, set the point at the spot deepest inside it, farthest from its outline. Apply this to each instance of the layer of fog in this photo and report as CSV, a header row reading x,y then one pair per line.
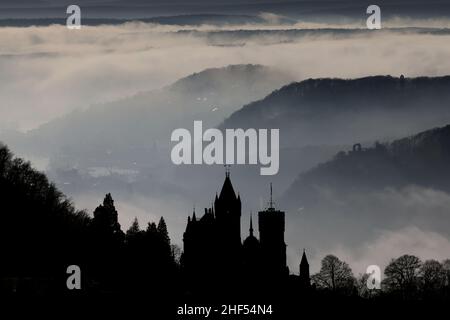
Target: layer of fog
x,y
373,227
49,71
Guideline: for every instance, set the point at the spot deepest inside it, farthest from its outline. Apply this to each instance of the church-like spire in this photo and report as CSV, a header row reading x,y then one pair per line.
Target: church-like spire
x,y
271,202
227,193
304,271
227,170
304,260
251,225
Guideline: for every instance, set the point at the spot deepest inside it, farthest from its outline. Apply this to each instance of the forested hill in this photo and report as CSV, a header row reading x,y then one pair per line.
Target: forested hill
x,y
366,109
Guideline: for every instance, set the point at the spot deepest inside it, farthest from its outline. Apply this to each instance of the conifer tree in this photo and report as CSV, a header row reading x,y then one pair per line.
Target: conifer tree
x,y
163,233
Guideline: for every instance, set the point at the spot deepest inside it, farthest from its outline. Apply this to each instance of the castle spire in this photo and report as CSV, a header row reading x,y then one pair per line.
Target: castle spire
x,y
227,170
227,193
304,271
251,224
271,203
304,256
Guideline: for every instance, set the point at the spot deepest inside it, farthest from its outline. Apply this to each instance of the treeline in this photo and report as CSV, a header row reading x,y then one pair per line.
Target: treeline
x,y
41,234
404,278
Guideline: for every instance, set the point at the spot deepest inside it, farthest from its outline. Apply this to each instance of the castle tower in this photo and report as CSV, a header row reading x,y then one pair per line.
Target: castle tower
x,y
271,237
304,271
227,208
251,251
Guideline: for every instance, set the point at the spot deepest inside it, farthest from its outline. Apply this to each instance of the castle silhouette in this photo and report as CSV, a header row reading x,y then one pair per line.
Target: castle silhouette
x,y
213,246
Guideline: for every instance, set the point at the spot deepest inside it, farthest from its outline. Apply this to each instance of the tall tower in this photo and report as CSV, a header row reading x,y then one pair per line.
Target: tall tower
x,y
227,208
304,271
271,237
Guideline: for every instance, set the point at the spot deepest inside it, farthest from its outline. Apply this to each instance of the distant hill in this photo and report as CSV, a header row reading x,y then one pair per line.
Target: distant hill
x,y
361,193
339,111
422,159
126,143
144,120
181,20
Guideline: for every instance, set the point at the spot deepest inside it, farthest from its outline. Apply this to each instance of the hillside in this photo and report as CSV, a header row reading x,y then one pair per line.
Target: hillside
x,y
422,159
362,192
139,122
367,109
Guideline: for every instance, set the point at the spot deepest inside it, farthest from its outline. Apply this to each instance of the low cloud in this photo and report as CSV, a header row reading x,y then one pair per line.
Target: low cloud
x,y
50,71
392,244
372,227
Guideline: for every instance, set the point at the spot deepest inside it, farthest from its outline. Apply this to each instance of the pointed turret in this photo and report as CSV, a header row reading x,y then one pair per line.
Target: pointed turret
x,y
251,225
271,203
304,271
227,193
304,261
227,203
251,244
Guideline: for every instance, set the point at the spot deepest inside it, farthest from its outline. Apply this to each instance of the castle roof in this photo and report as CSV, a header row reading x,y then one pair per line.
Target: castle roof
x,y
227,192
304,260
251,242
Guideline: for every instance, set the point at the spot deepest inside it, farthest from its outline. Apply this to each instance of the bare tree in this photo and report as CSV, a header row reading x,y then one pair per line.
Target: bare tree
x,y
401,274
446,267
363,289
334,274
433,276
176,253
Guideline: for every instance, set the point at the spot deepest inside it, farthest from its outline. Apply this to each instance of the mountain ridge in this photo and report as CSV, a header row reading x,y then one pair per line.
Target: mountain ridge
x,y
309,109
422,159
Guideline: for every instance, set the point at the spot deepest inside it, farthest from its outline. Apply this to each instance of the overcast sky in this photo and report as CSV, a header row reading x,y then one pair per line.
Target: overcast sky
x,y
149,8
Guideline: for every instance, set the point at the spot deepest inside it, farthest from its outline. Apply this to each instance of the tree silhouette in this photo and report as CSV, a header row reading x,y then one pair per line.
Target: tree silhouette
x,y
135,259
107,244
134,238
177,253
433,277
152,230
41,232
134,228
401,275
446,267
163,233
106,218
334,275
363,289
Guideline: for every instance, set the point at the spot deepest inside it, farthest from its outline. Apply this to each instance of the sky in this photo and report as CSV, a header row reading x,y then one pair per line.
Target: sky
x,y
150,8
